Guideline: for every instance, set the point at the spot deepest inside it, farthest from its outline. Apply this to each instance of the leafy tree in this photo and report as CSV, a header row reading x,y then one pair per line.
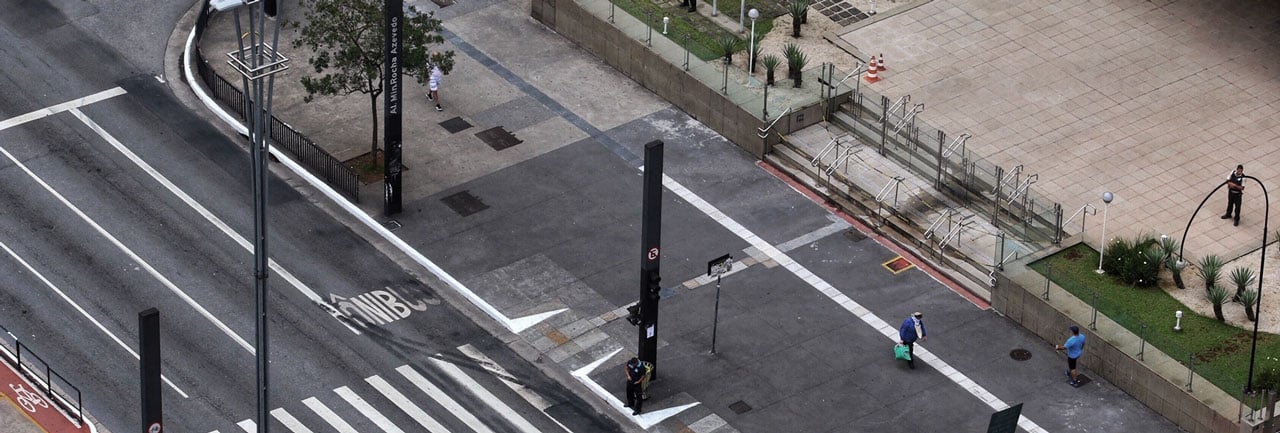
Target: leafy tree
x,y
347,38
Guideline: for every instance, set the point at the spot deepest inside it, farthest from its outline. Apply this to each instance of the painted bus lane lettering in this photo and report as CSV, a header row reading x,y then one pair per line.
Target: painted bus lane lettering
x,y
379,307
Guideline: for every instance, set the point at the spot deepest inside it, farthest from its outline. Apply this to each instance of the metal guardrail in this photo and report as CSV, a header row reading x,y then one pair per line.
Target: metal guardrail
x,y
321,163
54,386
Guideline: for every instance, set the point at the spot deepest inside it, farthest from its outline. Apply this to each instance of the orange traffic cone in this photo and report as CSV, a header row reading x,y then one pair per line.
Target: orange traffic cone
x,y
880,65
872,67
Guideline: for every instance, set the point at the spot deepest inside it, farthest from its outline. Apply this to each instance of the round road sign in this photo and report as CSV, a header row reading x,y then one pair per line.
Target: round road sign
x,y
653,253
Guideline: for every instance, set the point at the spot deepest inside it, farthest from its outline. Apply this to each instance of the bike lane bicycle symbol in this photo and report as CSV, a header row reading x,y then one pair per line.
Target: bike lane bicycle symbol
x,y
27,399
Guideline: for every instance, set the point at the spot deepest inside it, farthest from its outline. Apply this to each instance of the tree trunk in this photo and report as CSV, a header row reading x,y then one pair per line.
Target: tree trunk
x,y
1177,280
1217,312
799,76
1248,313
768,77
795,28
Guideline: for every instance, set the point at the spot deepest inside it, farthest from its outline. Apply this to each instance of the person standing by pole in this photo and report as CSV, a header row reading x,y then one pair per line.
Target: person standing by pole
x,y
1074,347
1235,192
635,385
912,329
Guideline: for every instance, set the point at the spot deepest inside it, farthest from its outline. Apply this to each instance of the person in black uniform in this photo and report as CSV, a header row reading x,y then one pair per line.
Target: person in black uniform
x,y
1235,191
635,380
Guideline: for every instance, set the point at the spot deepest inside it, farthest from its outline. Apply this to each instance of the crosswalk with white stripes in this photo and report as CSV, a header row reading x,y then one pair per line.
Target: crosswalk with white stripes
x,y
413,395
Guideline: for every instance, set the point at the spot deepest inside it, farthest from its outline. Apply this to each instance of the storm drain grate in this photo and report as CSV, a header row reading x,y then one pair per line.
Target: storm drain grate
x,y
464,204
455,125
498,138
740,407
1020,354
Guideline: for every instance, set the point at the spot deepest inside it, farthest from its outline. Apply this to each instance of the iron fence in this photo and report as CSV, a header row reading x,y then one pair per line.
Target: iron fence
x,y
325,166
54,387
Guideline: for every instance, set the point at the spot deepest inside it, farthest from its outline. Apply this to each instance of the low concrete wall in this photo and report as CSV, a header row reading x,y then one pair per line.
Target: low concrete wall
x,y
1018,295
670,81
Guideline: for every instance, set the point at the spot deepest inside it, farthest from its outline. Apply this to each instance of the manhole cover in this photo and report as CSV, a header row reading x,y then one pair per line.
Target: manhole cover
x,y
855,235
464,203
455,125
898,264
1020,354
740,407
498,138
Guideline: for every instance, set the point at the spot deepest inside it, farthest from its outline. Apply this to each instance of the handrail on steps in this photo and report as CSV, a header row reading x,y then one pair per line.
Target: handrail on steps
x,y
764,132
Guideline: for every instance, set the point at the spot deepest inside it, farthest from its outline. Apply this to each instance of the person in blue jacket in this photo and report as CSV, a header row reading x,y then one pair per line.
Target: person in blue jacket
x,y
1074,347
912,329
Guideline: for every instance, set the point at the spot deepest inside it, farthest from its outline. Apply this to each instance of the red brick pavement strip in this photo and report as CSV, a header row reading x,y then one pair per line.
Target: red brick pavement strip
x,y
33,404
887,243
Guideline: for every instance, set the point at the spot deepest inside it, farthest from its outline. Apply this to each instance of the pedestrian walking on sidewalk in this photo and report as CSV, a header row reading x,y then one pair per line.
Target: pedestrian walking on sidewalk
x,y
433,83
1235,192
1074,347
912,329
635,384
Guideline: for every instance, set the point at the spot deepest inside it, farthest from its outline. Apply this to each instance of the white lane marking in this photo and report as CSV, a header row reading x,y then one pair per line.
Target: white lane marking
x,y
415,412
822,232
248,426
209,216
154,273
55,109
840,299
368,411
84,313
289,421
514,325
328,416
644,420
489,399
529,395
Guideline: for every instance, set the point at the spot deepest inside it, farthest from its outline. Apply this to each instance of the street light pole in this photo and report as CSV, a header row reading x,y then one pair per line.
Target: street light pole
x,y
1102,249
257,61
1257,307
751,55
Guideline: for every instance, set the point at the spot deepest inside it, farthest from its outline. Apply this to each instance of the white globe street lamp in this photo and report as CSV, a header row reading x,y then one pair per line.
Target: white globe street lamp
x,y
1106,203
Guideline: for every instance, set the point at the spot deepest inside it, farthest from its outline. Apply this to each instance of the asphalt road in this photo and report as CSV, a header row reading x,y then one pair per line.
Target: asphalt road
x,y
127,201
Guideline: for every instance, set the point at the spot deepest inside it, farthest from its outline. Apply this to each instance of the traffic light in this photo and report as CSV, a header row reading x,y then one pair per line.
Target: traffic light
x,y
269,7
653,284
633,315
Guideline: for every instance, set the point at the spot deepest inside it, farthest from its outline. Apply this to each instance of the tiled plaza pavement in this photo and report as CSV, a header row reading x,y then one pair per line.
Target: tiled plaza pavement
x,y
1156,101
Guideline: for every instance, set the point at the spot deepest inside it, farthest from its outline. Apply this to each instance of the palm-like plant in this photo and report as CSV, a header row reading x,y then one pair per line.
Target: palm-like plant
x,y
795,62
1218,296
798,9
1210,269
728,45
770,63
1241,276
1175,266
1248,298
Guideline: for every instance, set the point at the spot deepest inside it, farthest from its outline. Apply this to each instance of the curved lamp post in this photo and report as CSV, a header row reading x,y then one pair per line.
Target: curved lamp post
x,y
1102,249
1262,262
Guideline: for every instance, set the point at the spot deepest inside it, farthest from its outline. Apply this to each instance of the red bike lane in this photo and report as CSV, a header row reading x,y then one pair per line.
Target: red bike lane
x,y
26,409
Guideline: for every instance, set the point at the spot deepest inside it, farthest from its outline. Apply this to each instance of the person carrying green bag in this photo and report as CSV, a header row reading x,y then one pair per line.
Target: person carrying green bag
x,y
912,329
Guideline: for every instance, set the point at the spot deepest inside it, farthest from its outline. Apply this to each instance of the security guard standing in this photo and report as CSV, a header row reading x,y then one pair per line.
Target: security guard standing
x,y
1235,191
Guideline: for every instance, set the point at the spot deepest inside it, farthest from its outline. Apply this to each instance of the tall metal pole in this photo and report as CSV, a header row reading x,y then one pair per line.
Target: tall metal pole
x,y
650,238
715,320
393,107
1102,249
258,61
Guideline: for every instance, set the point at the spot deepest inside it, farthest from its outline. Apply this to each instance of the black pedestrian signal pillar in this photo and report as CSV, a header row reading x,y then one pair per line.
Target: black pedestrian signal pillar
x,y
269,7
393,107
149,362
650,238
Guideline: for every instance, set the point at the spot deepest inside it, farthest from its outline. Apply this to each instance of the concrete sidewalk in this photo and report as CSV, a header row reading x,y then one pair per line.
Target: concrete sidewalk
x,y
806,325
